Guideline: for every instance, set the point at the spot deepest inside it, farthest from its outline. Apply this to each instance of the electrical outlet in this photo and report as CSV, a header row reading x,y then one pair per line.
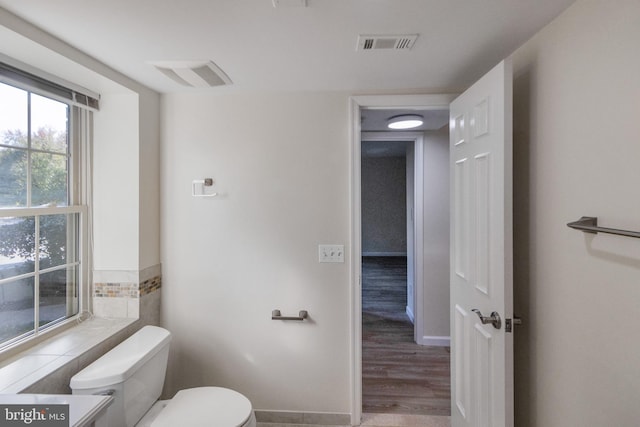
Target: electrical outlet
x,y
331,253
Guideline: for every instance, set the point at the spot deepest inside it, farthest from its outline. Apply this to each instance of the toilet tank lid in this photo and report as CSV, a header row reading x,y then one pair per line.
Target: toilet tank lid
x,y
122,361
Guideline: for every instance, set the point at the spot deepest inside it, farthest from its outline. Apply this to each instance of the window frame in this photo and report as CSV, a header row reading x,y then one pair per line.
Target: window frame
x,y
78,196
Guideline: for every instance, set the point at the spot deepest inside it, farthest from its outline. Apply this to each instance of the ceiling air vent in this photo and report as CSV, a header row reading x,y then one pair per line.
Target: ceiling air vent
x,y
393,42
193,73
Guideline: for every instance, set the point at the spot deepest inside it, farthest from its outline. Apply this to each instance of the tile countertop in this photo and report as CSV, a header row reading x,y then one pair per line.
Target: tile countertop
x,y
30,366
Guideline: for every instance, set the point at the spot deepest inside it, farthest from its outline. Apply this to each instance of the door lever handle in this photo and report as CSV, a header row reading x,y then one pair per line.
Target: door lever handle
x,y
494,319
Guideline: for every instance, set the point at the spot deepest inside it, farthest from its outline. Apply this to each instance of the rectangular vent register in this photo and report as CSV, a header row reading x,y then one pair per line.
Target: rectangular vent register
x,y
392,42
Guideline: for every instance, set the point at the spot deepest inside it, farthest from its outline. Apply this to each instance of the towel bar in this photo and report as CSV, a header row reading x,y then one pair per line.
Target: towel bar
x,y
589,224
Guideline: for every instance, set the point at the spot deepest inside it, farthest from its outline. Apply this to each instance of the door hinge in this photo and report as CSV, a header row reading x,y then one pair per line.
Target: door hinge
x,y
508,323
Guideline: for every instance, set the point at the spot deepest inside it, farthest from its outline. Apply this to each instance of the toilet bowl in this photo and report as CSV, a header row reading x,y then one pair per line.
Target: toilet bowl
x,y
133,373
201,406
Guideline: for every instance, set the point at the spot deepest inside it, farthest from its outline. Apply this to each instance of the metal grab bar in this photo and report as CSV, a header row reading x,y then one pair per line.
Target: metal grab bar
x,y
589,224
276,315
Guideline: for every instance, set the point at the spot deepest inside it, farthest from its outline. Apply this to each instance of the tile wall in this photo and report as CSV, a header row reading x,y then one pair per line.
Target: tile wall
x,y
124,294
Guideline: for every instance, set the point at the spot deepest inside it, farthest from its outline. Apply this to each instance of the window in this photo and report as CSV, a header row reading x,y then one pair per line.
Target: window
x,y
41,216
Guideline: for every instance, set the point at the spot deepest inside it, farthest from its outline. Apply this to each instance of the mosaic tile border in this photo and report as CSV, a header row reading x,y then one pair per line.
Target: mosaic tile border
x,y
150,285
115,290
127,290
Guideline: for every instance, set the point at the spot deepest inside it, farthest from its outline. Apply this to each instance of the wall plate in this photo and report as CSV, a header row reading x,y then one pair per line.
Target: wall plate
x,y
330,253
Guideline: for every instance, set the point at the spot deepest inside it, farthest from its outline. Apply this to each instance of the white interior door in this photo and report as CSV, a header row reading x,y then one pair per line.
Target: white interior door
x,y
481,252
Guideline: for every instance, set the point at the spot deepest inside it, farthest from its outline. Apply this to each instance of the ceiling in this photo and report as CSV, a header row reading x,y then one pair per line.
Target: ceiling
x,y
377,119
312,48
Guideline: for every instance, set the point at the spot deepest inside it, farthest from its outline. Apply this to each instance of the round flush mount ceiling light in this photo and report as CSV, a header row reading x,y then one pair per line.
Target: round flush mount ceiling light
x,y
405,121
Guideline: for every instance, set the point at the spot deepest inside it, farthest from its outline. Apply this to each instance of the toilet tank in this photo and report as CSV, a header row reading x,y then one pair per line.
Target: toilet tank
x,y
133,372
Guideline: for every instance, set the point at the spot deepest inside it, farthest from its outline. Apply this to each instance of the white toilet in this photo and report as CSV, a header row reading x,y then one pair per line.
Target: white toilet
x,y
133,373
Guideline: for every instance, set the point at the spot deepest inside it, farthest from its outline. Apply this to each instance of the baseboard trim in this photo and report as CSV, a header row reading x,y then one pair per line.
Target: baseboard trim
x,y
436,341
410,315
297,418
384,254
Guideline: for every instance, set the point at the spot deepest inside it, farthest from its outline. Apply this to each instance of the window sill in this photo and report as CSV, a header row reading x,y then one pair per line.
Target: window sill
x,y
35,364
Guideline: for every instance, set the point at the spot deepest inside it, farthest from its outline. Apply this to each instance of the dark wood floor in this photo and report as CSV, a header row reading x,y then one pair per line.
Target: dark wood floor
x,y
398,376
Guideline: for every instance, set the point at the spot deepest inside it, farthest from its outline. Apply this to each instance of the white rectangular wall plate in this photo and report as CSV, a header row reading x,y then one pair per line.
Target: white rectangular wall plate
x,y
330,253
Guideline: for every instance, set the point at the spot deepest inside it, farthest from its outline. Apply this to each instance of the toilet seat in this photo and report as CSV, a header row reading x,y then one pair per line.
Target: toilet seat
x,y
206,406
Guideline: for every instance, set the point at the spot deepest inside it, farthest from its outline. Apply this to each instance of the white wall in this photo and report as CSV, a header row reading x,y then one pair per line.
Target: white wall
x,y
115,167
281,166
436,237
577,150
127,182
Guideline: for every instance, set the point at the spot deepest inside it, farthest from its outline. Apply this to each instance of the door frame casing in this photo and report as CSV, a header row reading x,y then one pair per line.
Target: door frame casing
x,y
435,102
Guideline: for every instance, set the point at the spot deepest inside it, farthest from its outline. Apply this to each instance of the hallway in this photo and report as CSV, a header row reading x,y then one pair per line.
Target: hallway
x,y
399,376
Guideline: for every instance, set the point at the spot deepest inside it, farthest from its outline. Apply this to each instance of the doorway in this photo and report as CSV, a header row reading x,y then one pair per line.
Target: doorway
x,y
398,375
359,104
387,198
